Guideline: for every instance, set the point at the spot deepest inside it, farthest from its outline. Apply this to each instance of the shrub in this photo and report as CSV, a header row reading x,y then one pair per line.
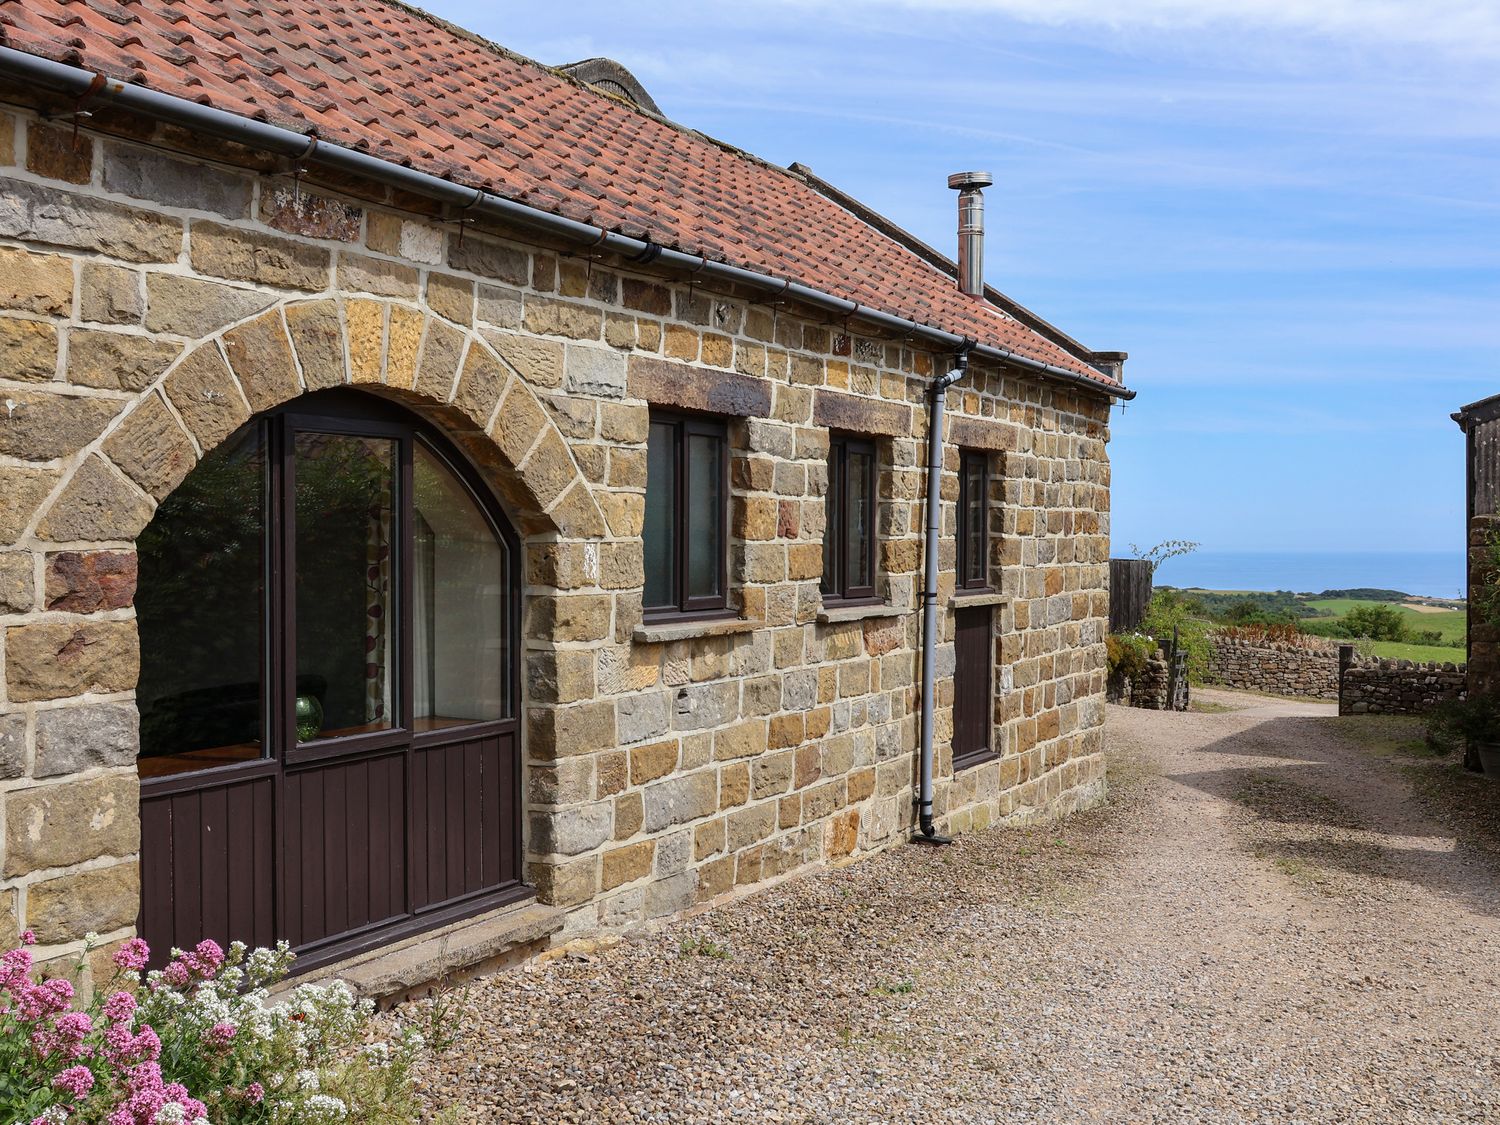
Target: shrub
x,y
1169,609
193,1043
1456,723
1378,622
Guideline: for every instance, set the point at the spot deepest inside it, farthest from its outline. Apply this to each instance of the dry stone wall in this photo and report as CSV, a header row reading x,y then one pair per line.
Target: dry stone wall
x,y
152,302
1275,668
1398,687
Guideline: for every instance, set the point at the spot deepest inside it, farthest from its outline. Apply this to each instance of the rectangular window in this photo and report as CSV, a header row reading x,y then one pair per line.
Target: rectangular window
x,y
687,498
973,521
849,514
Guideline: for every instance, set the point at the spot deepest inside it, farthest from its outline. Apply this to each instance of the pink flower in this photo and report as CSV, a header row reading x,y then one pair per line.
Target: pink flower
x,y
28,937
133,955
207,957
255,1093
76,1080
176,974
119,1007
221,1035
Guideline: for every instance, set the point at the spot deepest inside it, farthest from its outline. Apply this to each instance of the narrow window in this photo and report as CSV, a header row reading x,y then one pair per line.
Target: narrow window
x,y
973,521
849,527
686,502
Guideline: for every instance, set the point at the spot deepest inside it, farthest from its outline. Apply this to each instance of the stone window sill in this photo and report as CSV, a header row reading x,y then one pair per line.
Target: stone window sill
x,y
662,632
837,614
959,601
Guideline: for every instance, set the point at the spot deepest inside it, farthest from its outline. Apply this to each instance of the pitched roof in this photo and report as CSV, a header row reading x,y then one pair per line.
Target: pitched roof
x,y
400,85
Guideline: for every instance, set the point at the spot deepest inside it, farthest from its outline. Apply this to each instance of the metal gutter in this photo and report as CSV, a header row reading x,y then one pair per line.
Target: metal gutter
x,y
89,87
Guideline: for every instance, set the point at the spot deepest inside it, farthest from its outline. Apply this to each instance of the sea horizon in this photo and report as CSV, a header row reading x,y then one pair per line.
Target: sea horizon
x,y
1431,574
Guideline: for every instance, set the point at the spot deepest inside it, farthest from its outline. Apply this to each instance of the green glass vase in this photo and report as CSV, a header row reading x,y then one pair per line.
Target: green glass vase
x,y
309,714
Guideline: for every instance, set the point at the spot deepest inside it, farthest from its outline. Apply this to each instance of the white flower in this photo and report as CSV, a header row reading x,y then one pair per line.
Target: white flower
x,y
308,1079
170,1114
321,1107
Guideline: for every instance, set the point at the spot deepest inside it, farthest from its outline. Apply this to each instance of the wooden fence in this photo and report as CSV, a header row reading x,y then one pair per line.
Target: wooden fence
x,y
1129,593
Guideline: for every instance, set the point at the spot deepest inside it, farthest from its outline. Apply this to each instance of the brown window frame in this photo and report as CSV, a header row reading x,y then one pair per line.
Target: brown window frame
x,y
965,534
684,605
836,533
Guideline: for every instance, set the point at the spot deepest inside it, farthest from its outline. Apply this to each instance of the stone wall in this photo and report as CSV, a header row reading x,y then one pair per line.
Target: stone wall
x,y
1372,686
150,303
1274,667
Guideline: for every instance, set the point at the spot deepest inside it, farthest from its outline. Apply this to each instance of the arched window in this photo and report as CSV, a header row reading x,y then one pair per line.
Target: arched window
x,y
328,691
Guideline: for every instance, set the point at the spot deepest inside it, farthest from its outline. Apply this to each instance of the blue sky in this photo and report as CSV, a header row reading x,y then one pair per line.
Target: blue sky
x,y
1286,212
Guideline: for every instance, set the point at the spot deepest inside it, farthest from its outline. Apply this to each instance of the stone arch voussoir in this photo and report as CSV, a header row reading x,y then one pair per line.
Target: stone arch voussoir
x,y
441,370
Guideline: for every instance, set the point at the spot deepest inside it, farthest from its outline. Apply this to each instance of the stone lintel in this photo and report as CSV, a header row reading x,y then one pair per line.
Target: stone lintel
x,y
664,383
839,411
982,433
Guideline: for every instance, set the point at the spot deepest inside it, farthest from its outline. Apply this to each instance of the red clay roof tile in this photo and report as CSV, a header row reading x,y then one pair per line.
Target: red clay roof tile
x,y
382,78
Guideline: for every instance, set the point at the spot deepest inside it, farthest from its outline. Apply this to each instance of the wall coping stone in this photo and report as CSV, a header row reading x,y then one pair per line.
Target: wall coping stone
x,y
689,630
834,615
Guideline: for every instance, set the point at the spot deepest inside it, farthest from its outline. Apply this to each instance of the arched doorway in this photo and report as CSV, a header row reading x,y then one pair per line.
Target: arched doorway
x,y
328,612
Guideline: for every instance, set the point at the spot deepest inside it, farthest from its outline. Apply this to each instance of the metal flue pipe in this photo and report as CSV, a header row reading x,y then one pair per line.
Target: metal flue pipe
x,y
970,187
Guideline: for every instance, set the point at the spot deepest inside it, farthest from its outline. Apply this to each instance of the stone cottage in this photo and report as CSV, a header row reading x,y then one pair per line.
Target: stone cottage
x,y
443,497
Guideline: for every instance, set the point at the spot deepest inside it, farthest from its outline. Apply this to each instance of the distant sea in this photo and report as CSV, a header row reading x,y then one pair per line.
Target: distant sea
x,y
1435,574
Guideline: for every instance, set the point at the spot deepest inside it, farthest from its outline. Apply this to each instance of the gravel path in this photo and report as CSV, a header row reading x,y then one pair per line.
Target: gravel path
x,y
1261,925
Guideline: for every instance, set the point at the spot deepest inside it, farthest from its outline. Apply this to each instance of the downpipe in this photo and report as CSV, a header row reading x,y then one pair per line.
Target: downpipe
x,y
927,833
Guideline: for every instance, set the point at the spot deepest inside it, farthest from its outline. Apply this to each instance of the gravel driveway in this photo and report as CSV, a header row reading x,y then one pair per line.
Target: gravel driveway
x,y
1261,925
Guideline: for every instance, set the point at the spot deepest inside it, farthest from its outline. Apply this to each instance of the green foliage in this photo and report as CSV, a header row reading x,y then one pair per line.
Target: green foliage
x,y
1269,607
1127,655
1364,594
1484,587
703,947
1452,725
1378,622
1170,609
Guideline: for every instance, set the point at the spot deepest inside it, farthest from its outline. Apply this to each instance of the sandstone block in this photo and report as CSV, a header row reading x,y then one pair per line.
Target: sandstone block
x,y
115,361
358,273
151,448
480,386
68,822
41,425
680,799
492,259
89,581
59,154
441,352
652,761
206,398
24,491
42,213
549,468
547,316
241,255
627,864
73,739
451,297
310,214
630,812
12,746
261,356
403,346
37,283
366,321
28,350
110,294
190,306
595,371
17,588
318,337
160,178
571,831
500,306
57,659
70,906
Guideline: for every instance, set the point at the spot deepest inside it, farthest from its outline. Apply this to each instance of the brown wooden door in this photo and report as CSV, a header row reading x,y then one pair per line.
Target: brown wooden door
x,y
355,777
973,707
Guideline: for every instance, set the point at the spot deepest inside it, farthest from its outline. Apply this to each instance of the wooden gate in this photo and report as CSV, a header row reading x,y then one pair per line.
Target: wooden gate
x,y
973,700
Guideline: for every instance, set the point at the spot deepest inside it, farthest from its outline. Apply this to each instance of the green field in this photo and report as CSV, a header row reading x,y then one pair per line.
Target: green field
x,y
1442,654
1451,623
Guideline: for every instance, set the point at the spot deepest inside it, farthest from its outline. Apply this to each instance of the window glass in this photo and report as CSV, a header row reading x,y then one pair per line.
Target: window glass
x,y
973,547
345,584
861,516
198,608
660,532
460,602
833,524
705,515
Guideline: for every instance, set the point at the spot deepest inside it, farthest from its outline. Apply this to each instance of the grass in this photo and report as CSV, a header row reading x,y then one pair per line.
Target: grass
x,y
703,947
1400,650
1451,623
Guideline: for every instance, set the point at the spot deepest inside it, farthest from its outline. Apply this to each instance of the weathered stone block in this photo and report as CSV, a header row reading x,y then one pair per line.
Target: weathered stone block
x,y
42,213
480,385
96,506
366,320
244,255
160,178
663,383
88,581
151,448
500,306
359,273
317,334
627,864
42,425
190,306
205,396
64,823
110,294
57,659
571,831
74,739
492,259
547,316
681,799
451,297
70,906
309,214
12,746
115,361
595,371
261,355
28,350
37,283
24,491
59,154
